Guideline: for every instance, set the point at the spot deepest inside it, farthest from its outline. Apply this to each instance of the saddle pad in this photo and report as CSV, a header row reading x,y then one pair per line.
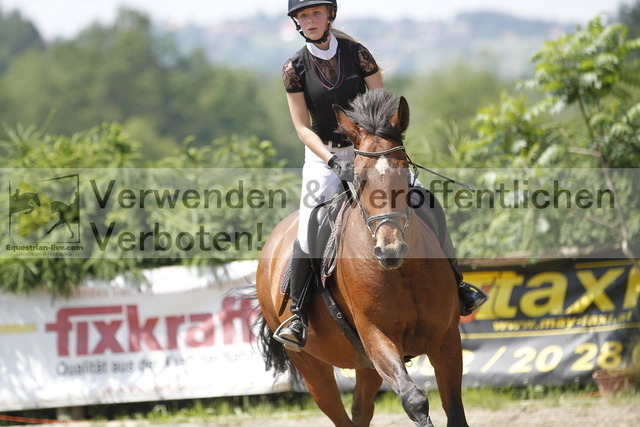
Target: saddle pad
x,y
286,279
285,283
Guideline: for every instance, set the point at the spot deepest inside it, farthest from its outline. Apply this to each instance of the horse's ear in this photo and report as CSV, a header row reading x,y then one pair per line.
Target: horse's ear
x,y
347,126
400,119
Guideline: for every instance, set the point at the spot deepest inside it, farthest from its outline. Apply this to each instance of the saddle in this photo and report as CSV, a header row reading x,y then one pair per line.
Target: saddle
x,y
324,231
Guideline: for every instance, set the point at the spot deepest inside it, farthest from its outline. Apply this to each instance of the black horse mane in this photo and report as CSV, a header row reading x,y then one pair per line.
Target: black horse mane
x,y
373,110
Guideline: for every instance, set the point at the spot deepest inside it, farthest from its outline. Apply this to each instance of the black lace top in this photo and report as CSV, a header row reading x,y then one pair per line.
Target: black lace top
x,y
327,82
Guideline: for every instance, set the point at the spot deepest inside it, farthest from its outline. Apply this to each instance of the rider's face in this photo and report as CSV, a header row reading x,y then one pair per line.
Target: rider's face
x,y
314,21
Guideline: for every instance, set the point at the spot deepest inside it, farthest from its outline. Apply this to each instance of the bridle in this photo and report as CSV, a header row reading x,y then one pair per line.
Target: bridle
x,y
392,217
385,217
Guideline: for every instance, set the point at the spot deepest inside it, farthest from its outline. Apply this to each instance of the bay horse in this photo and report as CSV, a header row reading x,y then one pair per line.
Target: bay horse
x,y
391,281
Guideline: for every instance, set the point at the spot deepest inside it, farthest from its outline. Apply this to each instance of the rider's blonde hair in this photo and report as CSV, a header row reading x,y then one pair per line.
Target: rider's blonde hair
x,y
342,35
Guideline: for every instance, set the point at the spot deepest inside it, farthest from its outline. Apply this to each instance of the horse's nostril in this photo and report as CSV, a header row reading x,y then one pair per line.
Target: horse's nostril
x,y
402,251
377,251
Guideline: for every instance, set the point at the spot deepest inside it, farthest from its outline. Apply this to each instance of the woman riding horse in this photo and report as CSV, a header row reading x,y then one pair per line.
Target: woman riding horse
x,y
391,281
331,69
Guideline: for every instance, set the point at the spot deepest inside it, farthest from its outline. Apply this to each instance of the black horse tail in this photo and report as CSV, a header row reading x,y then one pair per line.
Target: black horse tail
x,y
273,353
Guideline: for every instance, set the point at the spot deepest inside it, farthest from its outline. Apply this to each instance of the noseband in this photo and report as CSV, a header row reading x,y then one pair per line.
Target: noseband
x,y
386,217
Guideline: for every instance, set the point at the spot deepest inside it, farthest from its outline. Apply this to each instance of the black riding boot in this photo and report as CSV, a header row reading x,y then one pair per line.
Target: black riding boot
x,y
470,297
430,211
293,331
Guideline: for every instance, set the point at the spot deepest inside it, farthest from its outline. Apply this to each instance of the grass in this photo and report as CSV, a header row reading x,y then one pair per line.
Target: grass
x,y
300,405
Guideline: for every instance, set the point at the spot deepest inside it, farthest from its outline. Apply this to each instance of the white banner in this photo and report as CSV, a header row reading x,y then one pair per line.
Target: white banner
x,y
181,335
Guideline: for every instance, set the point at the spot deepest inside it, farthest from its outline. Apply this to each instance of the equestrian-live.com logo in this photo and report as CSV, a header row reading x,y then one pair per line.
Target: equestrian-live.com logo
x,y
44,212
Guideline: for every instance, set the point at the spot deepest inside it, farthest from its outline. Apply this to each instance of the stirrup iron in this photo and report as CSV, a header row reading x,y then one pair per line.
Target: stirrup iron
x,y
478,290
288,344
479,298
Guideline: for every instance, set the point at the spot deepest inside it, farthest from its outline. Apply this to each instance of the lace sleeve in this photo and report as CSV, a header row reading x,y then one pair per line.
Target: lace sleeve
x,y
366,62
291,79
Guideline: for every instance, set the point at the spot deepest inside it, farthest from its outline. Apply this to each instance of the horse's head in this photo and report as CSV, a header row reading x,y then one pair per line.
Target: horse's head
x,y
376,124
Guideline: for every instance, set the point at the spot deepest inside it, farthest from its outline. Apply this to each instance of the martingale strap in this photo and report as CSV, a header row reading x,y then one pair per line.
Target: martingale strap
x,y
348,331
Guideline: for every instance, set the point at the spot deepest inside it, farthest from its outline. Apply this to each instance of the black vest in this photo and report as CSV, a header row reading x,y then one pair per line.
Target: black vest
x,y
321,95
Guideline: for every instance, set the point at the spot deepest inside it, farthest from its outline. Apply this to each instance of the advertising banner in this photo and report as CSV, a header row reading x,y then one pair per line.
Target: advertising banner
x,y
549,323
183,336
186,333
553,323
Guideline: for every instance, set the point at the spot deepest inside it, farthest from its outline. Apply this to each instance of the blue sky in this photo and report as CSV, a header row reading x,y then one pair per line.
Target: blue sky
x,y
64,18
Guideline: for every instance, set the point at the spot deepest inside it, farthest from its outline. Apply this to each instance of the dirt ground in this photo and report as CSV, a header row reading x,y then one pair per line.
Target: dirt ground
x,y
566,414
597,415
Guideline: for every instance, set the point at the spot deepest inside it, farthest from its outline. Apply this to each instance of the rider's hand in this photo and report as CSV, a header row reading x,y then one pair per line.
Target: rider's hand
x,y
342,168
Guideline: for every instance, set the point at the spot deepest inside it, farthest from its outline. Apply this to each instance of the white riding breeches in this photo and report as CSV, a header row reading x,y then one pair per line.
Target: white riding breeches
x,y
319,184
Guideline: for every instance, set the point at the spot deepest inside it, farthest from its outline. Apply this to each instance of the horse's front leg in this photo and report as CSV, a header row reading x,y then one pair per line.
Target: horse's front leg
x,y
390,365
367,385
447,362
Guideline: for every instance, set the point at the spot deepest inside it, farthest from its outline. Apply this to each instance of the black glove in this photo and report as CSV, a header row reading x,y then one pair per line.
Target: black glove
x,y
342,168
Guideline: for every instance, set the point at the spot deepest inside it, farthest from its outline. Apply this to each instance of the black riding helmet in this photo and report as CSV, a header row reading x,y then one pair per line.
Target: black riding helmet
x,y
296,6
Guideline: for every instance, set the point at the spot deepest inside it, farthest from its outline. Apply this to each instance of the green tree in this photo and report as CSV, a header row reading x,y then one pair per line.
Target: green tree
x,y
127,73
105,74
108,150
212,102
29,147
629,15
17,36
589,115
442,104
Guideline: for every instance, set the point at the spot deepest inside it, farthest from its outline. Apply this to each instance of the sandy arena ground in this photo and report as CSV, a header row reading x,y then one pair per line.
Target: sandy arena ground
x,y
596,413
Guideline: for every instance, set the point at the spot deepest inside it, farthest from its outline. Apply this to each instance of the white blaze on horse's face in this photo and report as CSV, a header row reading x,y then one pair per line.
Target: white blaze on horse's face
x,y
382,165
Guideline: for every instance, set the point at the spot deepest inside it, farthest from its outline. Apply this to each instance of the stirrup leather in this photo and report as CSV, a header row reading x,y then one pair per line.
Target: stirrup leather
x,y
288,343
